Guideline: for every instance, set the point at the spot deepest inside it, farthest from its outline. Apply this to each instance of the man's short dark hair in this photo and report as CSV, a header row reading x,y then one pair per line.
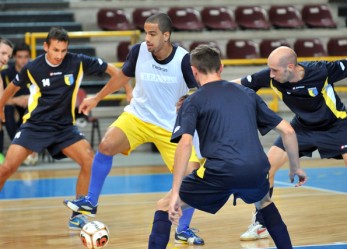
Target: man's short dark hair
x,y
21,47
59,34
206,58
163,20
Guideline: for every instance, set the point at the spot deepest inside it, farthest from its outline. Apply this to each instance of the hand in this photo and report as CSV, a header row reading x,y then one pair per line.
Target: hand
x,y
129,96
21,101
301,175
175,211
87,104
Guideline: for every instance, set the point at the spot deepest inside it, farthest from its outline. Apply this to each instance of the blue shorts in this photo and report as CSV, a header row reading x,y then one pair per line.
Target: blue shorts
x,y
203,194
54,139
330,143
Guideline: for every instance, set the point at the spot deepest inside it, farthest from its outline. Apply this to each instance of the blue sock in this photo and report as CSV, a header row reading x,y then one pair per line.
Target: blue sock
x,y
160,234
102,165
185,219
276,227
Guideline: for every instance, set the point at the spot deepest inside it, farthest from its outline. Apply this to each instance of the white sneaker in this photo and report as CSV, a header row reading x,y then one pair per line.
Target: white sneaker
x,y
255,231
32,159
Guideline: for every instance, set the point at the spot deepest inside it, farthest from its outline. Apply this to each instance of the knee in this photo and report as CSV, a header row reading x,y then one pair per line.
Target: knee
x,y
106,147
6,170
162,205
263,202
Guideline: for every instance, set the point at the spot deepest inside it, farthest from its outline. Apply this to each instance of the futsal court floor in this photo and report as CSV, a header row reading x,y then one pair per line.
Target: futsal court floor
x,y
32,214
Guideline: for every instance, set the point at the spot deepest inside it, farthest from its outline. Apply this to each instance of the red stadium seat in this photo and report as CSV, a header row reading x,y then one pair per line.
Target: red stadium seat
x,y
242,49
252,17
309,48
123,49
218,18
185,19
141,14
113,19
337,46
285,16
317,16
266,46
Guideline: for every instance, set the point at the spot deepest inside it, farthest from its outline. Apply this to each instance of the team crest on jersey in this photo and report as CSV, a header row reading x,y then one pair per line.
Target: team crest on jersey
x,y
313,91
69,79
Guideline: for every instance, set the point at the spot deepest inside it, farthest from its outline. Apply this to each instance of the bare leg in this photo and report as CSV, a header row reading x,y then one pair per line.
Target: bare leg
x,y
15,155
344,159
82,153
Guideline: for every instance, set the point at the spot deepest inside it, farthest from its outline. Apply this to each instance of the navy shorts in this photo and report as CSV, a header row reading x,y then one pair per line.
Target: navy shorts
x,y
204,195
330,143
54,139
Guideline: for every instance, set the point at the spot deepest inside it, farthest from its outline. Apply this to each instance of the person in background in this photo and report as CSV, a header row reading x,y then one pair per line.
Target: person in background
x,y
16,107
231,167
320,120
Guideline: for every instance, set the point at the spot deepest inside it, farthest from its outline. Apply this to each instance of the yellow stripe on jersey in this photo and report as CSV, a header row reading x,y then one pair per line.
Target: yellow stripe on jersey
x,y
201,171
75,92
330,100
35,94
276,91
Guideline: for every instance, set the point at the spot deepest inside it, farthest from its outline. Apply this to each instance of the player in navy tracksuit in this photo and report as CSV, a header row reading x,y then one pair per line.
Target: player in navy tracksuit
x,y
320,120
227,118
49,123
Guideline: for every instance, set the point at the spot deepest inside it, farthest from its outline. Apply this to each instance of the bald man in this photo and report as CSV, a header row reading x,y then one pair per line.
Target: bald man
x,y
320,120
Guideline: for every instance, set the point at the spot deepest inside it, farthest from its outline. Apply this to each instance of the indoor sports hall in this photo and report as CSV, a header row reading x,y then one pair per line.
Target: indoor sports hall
x,y
32,213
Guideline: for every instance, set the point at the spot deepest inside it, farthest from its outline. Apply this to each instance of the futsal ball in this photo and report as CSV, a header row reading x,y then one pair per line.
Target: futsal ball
x,y
94,234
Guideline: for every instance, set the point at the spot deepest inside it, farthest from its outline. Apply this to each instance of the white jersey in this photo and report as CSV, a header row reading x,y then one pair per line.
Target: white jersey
x,y
158,88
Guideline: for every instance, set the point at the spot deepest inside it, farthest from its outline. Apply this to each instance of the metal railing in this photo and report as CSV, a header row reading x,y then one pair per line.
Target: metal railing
x,y
134,35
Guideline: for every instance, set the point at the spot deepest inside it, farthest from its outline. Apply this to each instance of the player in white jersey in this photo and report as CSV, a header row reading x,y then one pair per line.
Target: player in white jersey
x,y
163,74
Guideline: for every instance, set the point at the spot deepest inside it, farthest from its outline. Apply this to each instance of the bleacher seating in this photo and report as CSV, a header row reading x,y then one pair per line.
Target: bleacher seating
x,y
252,17
317,16
285,16
34,4
114,19
218,18
242,49
123,49
36,16
337,46
309,47
266,46
22,28
185,19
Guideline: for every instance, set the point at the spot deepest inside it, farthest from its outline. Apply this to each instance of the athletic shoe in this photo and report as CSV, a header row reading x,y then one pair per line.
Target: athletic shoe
x,y
82,205
77,222
32,159
187,236
255,231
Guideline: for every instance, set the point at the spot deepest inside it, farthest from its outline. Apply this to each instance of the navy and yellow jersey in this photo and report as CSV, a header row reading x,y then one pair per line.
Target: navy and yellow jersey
x,y
313,99
8,75
53,90
227,117
129,67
